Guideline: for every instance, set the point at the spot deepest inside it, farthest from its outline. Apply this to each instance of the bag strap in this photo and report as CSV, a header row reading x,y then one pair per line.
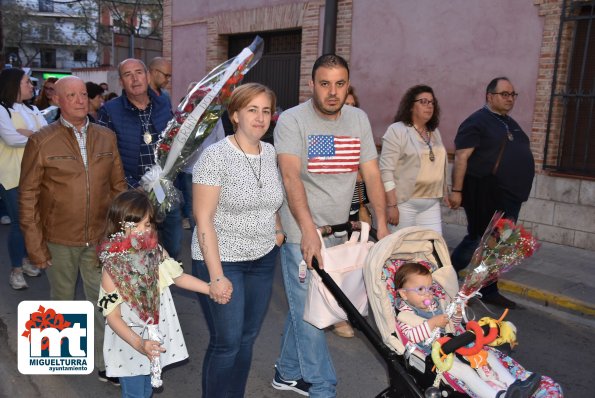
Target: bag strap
x,y
499,158
361,235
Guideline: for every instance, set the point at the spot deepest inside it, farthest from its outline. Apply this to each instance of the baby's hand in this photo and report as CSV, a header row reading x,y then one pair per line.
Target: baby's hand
x,y
438,321
152,349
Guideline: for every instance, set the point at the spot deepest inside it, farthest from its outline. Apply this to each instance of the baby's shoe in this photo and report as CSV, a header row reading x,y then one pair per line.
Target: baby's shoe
x,y
524,388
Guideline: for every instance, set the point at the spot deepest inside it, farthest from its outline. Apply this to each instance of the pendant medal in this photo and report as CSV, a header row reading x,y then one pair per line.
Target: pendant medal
x,y
432,157
510,136
147,138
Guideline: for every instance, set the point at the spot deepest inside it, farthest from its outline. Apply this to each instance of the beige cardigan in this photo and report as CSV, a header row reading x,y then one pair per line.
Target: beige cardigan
x,y
400,159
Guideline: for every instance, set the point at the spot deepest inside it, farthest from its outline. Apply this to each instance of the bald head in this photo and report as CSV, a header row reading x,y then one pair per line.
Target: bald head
x,y
159,73
71,97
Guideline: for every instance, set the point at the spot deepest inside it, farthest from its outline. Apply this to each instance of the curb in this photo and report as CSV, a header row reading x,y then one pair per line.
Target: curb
x,y
547,298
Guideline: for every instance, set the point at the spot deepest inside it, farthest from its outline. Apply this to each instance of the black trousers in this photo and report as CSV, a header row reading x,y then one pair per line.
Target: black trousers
x,y
482,197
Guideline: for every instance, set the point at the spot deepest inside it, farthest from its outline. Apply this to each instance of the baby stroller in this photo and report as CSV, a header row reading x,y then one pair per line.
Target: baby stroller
x,y
411,376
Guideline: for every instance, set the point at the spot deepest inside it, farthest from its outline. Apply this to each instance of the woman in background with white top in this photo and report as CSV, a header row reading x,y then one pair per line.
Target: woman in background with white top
x,y
237,192
413,162
17,122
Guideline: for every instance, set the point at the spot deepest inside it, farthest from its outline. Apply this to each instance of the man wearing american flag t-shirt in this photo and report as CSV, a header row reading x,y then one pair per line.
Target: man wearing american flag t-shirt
x,y
321,145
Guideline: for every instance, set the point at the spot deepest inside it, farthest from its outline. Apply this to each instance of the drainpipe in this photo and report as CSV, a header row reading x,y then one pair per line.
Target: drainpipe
x,y
330,27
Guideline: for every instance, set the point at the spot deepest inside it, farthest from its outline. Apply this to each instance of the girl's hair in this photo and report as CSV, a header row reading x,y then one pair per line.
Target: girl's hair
x,y
351,91
408,269
128,206
242,95
404,113
10,85
43,101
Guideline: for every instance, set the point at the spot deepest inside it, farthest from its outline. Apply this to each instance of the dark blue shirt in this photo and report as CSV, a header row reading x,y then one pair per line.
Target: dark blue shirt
x,y
122,117
487,132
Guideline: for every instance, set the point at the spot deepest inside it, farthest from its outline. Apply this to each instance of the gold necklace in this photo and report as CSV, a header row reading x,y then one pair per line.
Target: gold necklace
x,y
427,140
258,182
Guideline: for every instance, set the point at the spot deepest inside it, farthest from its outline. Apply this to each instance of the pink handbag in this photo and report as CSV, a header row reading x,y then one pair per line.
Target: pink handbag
x,y
344,263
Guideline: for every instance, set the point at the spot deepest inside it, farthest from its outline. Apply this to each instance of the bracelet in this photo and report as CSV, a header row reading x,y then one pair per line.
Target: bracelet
x,y
456,190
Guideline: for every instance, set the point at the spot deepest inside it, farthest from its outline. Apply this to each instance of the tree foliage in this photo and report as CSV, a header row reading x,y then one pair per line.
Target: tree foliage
x,y
140,18
27,34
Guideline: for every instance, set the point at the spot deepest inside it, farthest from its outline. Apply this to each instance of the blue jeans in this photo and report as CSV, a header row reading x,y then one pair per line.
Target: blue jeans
x,y
170,232
304,352
136,386
233,327
15,241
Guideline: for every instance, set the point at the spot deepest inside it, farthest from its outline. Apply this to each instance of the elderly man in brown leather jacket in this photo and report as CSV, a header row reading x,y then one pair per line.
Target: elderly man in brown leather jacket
x,y
70,172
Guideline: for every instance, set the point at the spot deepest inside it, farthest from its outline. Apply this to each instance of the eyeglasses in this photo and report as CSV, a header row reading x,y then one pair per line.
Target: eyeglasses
x,y
507,94
167,75
425,101
421,290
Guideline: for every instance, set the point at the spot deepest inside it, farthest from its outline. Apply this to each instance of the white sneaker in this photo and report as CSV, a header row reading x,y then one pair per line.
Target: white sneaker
x,y
29,269
17,280
5,220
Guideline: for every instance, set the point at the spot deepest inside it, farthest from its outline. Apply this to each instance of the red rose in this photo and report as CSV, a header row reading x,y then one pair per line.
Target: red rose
x,y
163,146
125,245
189,108
115,247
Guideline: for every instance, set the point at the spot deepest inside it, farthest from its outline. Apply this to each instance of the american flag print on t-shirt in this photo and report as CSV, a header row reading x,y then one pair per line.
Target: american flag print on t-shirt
x,y
330,154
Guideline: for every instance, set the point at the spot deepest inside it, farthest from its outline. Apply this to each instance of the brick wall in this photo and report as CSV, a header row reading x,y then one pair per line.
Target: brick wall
x,y
560,209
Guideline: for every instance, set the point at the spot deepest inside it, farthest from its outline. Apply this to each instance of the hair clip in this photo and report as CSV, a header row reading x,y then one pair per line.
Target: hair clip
x,y
127,224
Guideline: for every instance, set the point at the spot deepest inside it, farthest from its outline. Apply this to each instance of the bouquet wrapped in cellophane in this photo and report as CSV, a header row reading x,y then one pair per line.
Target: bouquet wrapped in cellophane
x,y
132,262
193,121
503,246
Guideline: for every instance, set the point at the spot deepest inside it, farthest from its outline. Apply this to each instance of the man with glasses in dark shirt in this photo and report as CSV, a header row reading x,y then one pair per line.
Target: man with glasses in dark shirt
x,y
493,170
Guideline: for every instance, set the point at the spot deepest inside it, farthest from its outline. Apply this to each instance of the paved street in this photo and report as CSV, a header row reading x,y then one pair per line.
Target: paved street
x,y
551,342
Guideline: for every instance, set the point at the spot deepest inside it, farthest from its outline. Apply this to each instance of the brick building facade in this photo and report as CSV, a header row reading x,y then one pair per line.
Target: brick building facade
x,y
386,39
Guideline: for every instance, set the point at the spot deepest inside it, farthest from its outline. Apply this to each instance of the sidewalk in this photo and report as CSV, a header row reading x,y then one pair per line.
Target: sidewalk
x,y
557,276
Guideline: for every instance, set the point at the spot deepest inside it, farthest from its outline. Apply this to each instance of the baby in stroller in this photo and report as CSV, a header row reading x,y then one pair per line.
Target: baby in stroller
x,y
419,312
398,322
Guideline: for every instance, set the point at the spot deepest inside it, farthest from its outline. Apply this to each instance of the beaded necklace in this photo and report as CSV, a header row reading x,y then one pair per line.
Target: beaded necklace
x,y
508,133
427,139
145,120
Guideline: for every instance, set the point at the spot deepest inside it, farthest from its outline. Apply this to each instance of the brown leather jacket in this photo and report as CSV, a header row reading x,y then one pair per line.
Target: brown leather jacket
x,y
60,200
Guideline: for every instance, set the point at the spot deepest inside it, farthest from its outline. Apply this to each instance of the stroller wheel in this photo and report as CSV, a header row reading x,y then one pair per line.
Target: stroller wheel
x,y
432,392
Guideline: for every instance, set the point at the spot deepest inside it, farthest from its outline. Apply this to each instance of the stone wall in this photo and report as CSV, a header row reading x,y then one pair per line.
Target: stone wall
x,y
560,210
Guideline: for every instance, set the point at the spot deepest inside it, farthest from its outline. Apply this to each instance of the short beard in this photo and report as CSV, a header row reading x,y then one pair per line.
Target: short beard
x,y
319,106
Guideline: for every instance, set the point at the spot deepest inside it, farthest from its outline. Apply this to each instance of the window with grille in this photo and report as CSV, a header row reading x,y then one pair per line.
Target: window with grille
x,y
80,55
570,143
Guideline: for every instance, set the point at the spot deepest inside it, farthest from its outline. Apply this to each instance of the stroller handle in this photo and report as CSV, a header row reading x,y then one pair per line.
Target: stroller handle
x,y
349,226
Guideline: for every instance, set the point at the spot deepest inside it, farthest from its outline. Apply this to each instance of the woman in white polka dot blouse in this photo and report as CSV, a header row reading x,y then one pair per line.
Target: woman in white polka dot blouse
x,y
237,191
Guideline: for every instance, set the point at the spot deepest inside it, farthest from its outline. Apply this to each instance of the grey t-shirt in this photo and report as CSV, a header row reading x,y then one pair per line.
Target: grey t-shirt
x,y
330,152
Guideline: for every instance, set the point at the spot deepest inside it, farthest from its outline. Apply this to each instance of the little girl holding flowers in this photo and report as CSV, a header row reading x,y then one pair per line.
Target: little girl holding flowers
x,y
142,332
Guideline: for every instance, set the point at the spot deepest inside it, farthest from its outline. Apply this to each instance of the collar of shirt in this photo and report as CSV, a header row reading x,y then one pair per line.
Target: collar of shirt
x,y
69,125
